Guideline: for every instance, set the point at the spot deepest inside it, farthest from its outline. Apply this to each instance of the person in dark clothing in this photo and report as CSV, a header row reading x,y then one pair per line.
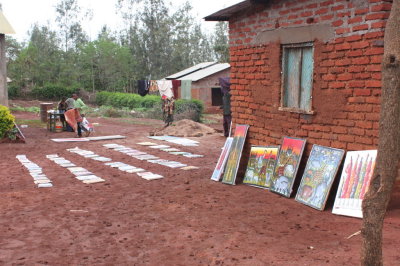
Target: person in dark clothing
x,y
226,104
62,107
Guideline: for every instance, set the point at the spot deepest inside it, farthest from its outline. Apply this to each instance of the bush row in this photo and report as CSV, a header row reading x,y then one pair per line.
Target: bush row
x,y
192,109
129,100
46,92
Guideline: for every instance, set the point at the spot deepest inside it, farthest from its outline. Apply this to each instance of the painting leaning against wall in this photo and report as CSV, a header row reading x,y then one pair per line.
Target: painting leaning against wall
x,y
320,172
260,167
235,154
357,173
219,168
287,165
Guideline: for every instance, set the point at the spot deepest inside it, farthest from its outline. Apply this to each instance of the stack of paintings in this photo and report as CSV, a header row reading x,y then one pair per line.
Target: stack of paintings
x,y
354,182
219,168
235,154
261,165
320,172
287,165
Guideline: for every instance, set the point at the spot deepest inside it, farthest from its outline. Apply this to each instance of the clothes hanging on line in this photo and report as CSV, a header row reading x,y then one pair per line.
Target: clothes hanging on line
x,y
153,87
143,87
175,87
165,88
186,89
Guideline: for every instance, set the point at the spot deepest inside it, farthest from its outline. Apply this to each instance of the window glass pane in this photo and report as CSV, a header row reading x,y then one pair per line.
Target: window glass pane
x,y
306,78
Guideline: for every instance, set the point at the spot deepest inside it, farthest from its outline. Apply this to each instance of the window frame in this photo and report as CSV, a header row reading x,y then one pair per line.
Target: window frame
x,y
286,47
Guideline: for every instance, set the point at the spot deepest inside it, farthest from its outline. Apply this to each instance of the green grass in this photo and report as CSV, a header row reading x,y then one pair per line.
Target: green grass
x,y
31,122
31,109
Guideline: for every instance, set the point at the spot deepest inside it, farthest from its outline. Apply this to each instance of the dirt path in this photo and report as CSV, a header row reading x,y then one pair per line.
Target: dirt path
x,y
183,219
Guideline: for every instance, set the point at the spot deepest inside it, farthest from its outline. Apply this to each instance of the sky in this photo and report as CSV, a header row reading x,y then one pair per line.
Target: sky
x,y
22,14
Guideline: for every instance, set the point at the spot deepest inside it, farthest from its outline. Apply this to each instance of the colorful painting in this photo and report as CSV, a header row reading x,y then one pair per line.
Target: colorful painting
x,y
235,154
287,165
357,173
320,172
261,165
219,168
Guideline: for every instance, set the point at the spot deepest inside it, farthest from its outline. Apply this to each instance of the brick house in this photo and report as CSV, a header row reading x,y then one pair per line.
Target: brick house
x,y
308,69
204,83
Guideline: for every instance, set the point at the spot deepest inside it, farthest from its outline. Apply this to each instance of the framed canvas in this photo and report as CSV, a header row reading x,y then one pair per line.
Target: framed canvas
x,y
287,165
219,168
357,173
320,172
235,154
261,165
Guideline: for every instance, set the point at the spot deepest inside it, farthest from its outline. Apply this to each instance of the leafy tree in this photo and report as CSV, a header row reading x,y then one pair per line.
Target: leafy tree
x,y
69,21
221,41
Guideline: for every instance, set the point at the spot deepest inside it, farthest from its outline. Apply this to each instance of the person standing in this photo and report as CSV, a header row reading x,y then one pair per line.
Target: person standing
x,y
62,107
73,111
226,104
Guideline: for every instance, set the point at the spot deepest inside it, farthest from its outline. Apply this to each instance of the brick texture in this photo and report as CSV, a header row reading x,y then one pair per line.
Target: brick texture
x,y
346,79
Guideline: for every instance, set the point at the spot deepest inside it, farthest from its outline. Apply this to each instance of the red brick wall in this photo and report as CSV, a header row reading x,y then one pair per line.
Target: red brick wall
x,y
347,77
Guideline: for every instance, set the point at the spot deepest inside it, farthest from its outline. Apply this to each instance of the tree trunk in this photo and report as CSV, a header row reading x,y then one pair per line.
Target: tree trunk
x,y
388,159
3,72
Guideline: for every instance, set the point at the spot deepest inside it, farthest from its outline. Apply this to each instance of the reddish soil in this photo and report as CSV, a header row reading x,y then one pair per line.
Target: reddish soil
x,y
183,219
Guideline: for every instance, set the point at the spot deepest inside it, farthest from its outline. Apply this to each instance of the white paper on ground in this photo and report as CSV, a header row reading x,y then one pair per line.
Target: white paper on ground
x,y
106,137
136,170
45,185
93,181
189,168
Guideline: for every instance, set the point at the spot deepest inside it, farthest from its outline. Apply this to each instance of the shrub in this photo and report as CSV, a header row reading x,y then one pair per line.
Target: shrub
x,y
13,91
189,109
184,109
52,92
129,100
6,120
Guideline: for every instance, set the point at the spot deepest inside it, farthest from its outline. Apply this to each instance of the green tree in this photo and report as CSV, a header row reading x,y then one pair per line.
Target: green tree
x,y
221,42
69,17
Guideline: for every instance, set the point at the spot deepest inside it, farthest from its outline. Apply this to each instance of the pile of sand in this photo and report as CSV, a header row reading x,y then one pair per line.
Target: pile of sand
x,y
185,128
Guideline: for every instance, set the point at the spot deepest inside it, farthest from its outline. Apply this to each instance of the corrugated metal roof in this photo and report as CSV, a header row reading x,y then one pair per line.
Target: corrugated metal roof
x,y
200,74
5,27
190,70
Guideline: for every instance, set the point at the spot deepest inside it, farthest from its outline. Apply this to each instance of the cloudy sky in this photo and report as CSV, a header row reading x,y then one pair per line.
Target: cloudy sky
x,y
22,14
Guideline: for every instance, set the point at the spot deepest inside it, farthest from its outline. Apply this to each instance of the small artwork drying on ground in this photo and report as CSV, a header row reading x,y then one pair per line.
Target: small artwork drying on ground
x,y
260,167
319,175
235,154
357,173
287,165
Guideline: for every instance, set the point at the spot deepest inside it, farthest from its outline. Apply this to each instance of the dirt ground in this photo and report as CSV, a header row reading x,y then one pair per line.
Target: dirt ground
x,y
183,219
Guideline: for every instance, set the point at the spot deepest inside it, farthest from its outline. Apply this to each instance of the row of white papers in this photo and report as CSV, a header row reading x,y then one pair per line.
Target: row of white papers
x,y
80,173
120,165
88,138
176,140
170,150
144,156
39,178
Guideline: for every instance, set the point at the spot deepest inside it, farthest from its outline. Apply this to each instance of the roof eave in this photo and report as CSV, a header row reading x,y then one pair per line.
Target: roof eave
x,y
226,13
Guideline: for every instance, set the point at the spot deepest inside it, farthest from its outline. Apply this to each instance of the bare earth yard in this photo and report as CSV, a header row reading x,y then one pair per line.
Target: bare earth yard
x,y
183,219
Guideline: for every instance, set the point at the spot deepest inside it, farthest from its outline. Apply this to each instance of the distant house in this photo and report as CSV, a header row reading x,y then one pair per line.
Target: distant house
x,y
307,68
204,82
